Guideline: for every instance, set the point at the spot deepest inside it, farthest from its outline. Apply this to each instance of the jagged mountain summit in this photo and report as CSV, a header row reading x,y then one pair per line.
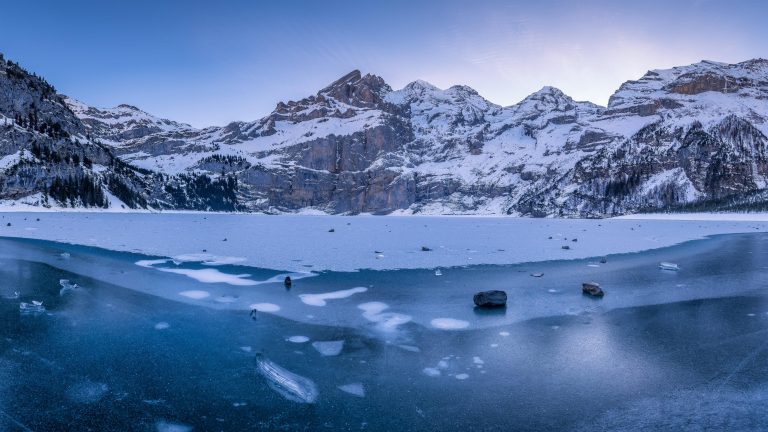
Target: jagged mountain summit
x,y
685,136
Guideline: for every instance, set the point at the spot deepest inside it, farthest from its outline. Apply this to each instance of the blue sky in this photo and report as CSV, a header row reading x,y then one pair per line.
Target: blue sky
x,y
206,62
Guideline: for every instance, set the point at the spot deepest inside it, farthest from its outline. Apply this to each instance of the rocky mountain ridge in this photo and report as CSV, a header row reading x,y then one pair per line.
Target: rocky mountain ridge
x,y
676,137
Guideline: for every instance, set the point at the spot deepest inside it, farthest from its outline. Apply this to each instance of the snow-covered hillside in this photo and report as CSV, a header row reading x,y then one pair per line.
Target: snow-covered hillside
x,y
691,134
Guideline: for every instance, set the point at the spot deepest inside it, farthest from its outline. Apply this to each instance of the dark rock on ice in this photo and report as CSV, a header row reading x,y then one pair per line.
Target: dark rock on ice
x,y
494,298
592,289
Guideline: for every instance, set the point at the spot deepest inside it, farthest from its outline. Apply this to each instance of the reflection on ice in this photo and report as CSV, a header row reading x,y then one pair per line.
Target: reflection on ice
x,y
289,385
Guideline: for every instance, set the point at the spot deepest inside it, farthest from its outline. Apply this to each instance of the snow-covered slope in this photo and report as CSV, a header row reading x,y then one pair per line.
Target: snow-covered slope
x,y
688,134
121,123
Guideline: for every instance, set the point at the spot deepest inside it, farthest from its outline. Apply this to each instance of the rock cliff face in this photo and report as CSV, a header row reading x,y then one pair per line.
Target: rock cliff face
x,y
679,137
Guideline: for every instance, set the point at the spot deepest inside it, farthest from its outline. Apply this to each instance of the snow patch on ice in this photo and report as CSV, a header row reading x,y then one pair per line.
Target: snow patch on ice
x,y
320,299
212,276
265,307
355,389
298,339
162,325
328,348
385,321
195,294
449,324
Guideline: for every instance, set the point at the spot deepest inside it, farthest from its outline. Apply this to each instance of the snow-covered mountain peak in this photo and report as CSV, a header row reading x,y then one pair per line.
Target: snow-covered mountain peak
x,y
548,98
123,122
355,89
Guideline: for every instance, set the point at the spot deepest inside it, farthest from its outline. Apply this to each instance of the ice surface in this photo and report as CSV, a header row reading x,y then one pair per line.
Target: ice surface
x,y
284,239
449,324
291,386
328,348
355,389
87,392
320,299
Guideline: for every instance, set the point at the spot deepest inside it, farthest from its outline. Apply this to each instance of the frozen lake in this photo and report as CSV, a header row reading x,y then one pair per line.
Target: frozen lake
x,y
146,342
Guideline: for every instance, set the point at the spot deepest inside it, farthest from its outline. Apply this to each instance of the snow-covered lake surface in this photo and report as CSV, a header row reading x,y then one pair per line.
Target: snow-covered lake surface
x,y
177,338
305,243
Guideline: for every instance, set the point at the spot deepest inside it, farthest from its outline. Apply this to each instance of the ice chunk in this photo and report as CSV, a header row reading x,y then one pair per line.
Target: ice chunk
x,y
503,333
410,348
36,307
328,348
65,255
195,294
320,299
298,339
477,360
438,272
461,376
442,364
246,349
669,266
162,325
165,426
66,286
289,385
355,389
431,372
449,324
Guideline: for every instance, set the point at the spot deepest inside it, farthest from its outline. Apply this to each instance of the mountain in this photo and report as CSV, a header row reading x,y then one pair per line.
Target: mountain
x,y
49,156
677,138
